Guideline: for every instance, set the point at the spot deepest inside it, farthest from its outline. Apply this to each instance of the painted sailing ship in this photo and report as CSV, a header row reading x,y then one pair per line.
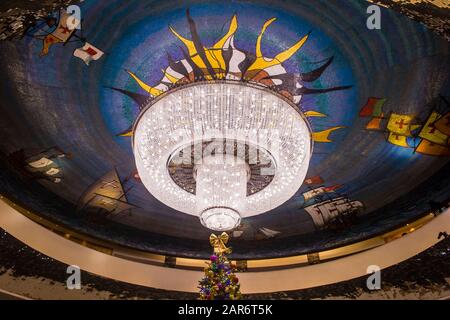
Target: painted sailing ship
x,y
334,212
328,208
106,196
430,138
317,192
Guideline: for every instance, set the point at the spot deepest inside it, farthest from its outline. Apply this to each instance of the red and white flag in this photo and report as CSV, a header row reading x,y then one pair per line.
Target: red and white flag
x,y
88,53
314,180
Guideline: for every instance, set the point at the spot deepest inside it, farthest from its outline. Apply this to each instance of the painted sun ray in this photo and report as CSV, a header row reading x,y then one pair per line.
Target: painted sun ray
x,y
138,98
275,70
304,90
193,54
258,51
199,47
287,80
196,70
171,75
188,66
313,113
162,86
217,52
317,73
192,51
153,91
324,136
233,58
262,62
231,31
178,67
126,133
224,60
209,60
285,55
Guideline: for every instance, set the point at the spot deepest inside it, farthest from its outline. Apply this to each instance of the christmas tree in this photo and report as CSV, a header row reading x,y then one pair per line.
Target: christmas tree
x,y
219,281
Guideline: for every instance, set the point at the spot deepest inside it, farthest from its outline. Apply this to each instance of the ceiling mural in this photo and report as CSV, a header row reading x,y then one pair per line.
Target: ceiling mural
x,y
376,100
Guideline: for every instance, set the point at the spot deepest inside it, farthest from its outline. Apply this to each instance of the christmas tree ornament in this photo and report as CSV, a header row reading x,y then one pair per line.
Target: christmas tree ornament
x,y
219,282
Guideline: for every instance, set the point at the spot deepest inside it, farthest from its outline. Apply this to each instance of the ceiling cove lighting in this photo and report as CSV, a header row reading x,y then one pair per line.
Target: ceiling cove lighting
x,y
222,150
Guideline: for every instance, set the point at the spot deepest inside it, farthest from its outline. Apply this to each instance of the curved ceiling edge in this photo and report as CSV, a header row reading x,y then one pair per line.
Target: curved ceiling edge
x,y
66,251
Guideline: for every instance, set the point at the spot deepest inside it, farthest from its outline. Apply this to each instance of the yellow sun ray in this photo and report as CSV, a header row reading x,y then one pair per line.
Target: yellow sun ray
x,y
231,31
188,43
286,54
153,91
214,54
324,136
261,62
259,39
169,77
126,134
192,51
315,114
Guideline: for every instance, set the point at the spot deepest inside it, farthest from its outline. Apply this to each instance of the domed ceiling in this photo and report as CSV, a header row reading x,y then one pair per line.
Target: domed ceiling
x,y
376,101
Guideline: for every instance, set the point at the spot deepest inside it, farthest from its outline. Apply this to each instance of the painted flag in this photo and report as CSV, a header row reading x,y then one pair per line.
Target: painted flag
x,y
375,124
52,171
431,133
41,163
61,34
432,149
333,188
443,124
88,53
314,180
313,193
49,40
318,191
400,124
398,140
373,108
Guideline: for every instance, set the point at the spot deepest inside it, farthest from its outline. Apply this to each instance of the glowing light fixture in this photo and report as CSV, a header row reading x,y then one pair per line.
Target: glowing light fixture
x,y
222,150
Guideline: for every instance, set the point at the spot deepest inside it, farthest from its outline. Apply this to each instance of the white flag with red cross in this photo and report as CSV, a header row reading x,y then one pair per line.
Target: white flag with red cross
x,y
88,53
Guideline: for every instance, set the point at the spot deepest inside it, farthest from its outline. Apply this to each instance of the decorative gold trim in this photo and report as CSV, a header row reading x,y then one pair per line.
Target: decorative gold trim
x,y
132,254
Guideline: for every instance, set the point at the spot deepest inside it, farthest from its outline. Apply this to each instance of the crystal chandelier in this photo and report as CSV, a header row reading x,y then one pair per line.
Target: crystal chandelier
x,y
222,150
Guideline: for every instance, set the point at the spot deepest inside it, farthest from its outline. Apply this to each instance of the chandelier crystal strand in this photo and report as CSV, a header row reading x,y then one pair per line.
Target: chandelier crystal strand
x,y
221,191
199,113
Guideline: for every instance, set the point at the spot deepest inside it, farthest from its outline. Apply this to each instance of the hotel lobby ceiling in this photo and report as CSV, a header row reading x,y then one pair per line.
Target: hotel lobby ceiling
x,y
370,97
